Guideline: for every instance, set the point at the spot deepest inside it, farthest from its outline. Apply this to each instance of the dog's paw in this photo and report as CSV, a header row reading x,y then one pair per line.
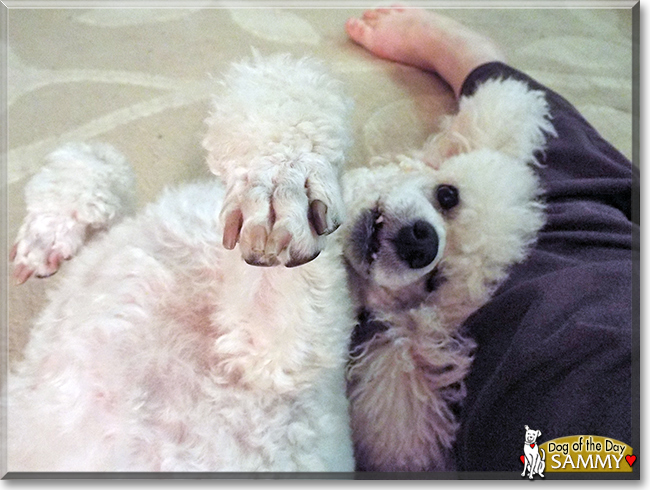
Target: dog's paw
x,y
44,241
281,215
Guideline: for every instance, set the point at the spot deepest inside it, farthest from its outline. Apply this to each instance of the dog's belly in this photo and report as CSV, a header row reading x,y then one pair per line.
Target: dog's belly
x,y
145,361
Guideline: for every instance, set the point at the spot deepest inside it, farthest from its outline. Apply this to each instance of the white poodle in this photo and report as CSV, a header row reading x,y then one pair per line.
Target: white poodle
x,y
428,239
163,350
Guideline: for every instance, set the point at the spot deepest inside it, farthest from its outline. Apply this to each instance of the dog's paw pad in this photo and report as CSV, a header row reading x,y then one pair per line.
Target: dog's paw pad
x,y
44,241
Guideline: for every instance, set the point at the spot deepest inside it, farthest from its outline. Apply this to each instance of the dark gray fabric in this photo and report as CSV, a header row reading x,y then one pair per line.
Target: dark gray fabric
x,y
555,342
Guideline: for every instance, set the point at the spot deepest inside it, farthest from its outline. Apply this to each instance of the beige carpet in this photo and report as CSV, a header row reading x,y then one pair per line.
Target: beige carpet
x,y
141,80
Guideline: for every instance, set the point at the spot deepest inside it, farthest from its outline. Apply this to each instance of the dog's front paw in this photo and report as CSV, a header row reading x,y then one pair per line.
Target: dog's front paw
x,y
43,242
281,215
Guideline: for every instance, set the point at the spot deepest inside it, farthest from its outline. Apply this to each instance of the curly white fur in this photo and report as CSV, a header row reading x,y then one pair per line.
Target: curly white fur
x,y
299,118
163,350
81,188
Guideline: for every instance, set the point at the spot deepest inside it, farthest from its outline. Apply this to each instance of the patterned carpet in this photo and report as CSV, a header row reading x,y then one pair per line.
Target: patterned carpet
x,y
141,80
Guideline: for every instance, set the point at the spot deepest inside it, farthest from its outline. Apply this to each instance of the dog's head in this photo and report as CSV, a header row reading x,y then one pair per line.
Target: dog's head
x,y
419,232
396,232
531,435
445,225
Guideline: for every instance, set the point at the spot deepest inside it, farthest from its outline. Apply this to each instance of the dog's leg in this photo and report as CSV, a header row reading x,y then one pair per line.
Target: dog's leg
x,y
502,115
82,187
528,466
277,139
525,466
533,465
541,464
285,331
402,387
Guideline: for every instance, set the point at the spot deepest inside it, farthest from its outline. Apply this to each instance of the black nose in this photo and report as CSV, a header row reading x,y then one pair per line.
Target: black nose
x,y
417,244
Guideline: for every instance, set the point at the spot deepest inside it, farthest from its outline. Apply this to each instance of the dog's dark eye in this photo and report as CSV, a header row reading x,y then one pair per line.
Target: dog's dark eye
x,y
447,196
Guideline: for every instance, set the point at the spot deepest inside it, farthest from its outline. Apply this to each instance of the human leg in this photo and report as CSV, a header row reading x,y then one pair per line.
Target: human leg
x,y
424,39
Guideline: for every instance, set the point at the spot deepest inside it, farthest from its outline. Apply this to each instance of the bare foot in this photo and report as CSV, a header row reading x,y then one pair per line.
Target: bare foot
x,y
424,39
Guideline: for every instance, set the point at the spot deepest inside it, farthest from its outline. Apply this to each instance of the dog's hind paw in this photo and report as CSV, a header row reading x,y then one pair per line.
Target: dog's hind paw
x,y
281,216
44,241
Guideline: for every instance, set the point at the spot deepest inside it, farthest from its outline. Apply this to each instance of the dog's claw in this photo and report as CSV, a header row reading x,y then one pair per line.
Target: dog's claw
x,y
318,216
53,263
232,228
22,273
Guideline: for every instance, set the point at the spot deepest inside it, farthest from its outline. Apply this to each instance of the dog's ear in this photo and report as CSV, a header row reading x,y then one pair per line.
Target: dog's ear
x,y
539,433
502,115
526,427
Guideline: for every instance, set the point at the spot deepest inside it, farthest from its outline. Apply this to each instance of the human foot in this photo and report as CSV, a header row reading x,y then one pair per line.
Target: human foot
x,y
424,39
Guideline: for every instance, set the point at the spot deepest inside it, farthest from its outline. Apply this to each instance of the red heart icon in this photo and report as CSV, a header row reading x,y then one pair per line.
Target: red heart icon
x,y
630,458
523,459
532,445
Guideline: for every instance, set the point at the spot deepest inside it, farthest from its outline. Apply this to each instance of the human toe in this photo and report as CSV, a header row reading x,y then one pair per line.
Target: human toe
x,y
359,31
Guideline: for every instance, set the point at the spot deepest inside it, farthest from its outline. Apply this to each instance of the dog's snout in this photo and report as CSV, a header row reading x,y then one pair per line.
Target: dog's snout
x,y
417,244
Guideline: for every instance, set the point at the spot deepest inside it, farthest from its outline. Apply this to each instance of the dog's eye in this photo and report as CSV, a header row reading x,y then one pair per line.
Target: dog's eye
x,y
447,196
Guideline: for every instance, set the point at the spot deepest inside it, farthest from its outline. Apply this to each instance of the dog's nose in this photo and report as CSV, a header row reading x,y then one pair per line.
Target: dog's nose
x,y
417,244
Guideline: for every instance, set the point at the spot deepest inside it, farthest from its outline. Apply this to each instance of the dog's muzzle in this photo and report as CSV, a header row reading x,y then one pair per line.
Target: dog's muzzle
x,y
417,244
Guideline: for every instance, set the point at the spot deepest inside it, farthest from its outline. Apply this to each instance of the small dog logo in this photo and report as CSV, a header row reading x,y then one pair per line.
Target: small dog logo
x,y
531,458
